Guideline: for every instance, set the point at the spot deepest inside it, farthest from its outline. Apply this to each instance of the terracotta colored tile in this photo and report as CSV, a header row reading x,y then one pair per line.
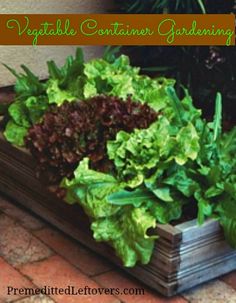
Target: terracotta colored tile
x,y
230,279
10,277
82,258
213,292
56,272
17,245
116,279
36,299
18,214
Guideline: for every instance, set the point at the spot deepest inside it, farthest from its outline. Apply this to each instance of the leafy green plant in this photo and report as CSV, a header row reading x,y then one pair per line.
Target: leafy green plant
x,y
75,130
178,159
77,80
33,97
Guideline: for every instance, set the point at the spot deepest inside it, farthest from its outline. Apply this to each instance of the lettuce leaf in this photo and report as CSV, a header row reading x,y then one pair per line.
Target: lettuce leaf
x,y
142,197
127,233
188,145
36,107
179,159
15,134
19,114
58,95
90,189
120,79
124,228
226,209
33,96
164,213
27,84
114,78
78,80
66,83
138,155
23,114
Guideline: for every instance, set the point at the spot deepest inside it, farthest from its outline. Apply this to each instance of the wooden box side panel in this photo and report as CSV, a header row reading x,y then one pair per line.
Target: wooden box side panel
x,y
173,262
23,161
192,231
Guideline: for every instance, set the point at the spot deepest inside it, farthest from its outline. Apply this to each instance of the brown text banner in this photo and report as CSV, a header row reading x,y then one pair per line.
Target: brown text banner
x,y
117,29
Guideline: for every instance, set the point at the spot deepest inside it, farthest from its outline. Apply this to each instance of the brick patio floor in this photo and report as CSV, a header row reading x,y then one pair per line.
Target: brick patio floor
x,y
34,254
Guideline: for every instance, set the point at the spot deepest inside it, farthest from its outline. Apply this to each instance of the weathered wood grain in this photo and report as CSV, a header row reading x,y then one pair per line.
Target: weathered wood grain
x,y
184,256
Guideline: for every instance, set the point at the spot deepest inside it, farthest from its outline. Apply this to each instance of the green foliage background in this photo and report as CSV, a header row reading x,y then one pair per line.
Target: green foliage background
x,y
203,70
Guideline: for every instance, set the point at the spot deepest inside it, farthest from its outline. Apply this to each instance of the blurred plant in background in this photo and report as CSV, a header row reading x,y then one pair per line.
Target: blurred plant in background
x,y
175,6
203,70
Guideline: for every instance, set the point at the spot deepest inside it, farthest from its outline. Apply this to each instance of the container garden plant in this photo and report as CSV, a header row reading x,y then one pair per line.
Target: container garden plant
x,y
144,167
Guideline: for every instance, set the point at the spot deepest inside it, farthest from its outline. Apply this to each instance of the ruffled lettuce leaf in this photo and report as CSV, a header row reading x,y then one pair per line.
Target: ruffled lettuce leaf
x,y
119,78
78,80
36,107
124,228
127,233
188,145
90,189
114,78
15,134
24,113
178,159
33,96
139,154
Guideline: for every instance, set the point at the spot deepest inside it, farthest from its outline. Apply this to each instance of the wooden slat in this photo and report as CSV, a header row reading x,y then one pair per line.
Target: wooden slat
x,y
191,231
182,255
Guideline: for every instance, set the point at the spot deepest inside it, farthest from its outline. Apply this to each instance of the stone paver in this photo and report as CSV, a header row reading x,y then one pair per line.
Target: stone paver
x,y
35,299
213,292
82,258
21,216
56,272
116,279
19,246
35,255
10,277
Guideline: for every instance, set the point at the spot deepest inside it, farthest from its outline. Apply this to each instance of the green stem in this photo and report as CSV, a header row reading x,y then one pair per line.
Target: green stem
x,y
218,117
176,103
202,6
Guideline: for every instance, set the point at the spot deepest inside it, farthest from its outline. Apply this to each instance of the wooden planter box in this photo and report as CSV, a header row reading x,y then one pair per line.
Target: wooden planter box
x,y
185,255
